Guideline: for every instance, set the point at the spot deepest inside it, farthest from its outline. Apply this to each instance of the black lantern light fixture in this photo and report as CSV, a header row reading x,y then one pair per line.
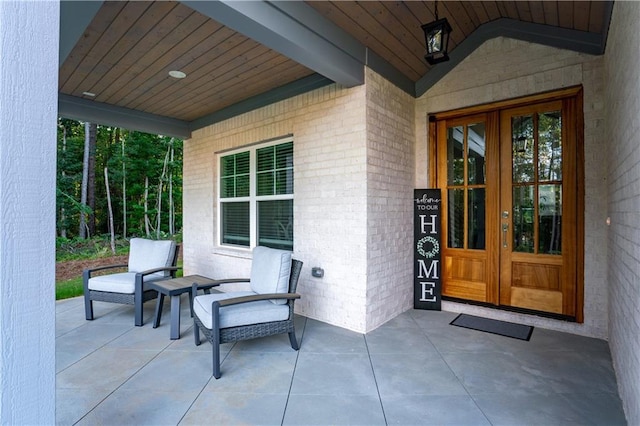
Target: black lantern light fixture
x,y
436,35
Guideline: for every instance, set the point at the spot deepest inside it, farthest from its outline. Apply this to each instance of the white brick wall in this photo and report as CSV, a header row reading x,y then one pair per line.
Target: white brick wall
x,y
390,158
356,165
505,68
330,207
352,210
622,151
354,180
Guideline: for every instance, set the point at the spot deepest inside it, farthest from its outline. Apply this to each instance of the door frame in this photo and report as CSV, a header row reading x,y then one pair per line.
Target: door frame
x,y
576,94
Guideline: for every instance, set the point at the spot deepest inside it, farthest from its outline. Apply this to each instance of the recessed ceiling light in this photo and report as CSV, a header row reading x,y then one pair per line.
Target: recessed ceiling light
x,y
177,74
89,94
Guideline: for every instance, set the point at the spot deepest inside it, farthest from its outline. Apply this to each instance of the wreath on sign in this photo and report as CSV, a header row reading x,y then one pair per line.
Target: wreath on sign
x,y
435,247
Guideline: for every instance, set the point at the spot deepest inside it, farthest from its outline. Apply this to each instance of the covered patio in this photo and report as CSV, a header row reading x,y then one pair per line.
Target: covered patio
x,y
347,83
415,369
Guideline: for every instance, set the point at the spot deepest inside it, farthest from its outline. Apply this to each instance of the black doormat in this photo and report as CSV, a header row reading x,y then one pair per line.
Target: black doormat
x,y
508,329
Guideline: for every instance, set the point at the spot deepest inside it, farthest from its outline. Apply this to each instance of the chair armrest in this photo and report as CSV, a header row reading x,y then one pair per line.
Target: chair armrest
x,y
256,297
154,270
216,283
87,272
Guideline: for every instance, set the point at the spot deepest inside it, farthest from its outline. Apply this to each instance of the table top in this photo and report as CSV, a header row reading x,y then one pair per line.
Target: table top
x,y
180,285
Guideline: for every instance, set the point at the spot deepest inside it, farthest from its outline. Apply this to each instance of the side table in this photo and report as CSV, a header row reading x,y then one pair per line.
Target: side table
x,y
174,288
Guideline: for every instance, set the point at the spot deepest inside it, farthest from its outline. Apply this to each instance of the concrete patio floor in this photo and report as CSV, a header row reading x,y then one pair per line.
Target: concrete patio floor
x,y
416,369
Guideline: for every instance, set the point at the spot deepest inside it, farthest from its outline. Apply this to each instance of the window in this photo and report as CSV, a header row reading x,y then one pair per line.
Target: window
x,y
256,196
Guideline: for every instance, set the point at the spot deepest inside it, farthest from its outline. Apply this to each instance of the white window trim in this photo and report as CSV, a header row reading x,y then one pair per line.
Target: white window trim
x,y
252,198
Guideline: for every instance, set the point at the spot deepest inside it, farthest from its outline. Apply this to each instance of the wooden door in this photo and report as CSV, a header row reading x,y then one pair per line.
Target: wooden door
x,y
538,209
469,179
511,219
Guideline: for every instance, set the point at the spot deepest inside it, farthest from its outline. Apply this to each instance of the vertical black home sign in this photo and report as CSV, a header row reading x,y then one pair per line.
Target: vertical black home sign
x,y
427,291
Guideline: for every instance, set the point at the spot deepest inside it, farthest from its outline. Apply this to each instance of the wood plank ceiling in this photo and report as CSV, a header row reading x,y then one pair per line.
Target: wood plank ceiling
x,y
125,53
393,29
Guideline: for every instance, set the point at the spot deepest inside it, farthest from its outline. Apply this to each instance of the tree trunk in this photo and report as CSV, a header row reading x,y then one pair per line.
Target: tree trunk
x,y
172,208
111,230
146,206
160,186
63,229
82,231
91,183
124,188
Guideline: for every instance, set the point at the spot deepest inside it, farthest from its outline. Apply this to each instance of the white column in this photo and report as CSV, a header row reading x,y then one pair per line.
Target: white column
x,y
29,34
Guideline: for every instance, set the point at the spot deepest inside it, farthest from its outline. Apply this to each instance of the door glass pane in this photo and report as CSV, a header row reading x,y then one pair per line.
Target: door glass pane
x,y
476,154
275,224
523,149
476,218
235,223
549,219
523,219
455,155
550,146
456,218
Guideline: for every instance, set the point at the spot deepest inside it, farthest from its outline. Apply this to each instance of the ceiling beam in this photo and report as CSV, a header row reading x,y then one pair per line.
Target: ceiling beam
x,y
75,17
287,91
562,38
296,37
110,115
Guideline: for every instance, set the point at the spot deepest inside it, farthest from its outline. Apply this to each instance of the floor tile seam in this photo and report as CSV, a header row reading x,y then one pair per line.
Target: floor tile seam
x,y
72,304
92,352
293,373
186,411
472,352
72,329
375,380
331,353
485,415
140,350
118,387
373,395
451,370
524,392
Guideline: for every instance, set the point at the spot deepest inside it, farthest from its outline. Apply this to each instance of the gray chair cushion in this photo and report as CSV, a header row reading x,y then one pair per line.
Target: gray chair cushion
x,y
270,271
123,282
149,254
241,314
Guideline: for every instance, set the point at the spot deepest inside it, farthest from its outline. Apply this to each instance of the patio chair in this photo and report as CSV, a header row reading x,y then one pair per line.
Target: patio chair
x,y
264,311
148,261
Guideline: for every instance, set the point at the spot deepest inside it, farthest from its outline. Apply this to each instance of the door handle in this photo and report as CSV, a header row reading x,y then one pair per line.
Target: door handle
x,y
505,228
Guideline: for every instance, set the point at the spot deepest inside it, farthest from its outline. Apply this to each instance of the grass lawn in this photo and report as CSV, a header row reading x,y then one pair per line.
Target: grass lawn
x,y
74,255
73,287
69,288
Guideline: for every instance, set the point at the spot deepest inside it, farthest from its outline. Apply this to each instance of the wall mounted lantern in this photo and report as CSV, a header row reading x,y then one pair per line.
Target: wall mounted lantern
x,y
436,35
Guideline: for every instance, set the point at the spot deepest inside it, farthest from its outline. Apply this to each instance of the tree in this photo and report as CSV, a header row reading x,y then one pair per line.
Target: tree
x,y
69,165
135,161
87,196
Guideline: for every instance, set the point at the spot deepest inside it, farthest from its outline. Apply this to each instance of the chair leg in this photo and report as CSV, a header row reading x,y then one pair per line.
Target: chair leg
x,y
88,307
137,300
88,303
196,333
159,305
138,314
216,356
215,338
293,340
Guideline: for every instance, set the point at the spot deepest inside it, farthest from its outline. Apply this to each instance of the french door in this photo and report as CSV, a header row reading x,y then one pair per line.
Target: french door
x,y
509,179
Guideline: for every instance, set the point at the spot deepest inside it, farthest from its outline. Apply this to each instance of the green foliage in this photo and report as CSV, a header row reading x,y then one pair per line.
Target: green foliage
x,y
78,248
131,158
93,248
